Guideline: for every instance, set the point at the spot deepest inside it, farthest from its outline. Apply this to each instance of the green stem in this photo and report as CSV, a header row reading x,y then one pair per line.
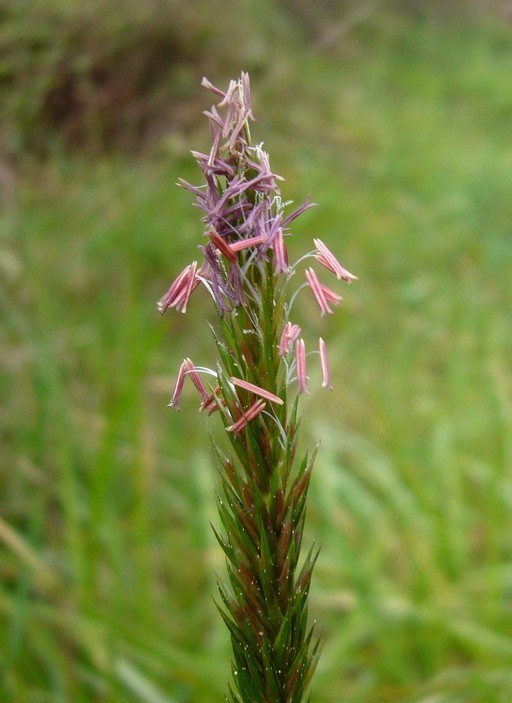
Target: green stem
x,y
262,511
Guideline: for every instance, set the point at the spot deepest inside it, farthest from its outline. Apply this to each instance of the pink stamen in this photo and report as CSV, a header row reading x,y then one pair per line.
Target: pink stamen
x,y
222,245
280,253
229,94
180,290
187,368
178,387
316,288
324,361
193,282
300,360
209,86
252,388
323,295
250,242
331,296
196,379
325,257
247,417
166,301
289,335
210,404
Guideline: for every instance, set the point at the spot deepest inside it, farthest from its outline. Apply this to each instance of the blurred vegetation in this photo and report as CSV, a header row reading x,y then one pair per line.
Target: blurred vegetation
x,y
121,73
109,73
398,124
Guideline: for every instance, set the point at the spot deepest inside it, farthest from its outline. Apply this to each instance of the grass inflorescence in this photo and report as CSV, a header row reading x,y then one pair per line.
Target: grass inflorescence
x,y
106,551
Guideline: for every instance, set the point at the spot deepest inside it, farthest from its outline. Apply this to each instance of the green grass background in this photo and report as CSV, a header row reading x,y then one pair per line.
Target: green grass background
x,y
106,555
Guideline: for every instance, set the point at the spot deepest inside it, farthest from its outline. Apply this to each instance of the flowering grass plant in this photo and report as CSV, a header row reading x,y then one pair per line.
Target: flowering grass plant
x,y
261,356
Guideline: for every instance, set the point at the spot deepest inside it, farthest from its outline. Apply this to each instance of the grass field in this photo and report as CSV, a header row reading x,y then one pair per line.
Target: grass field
x,y
106,555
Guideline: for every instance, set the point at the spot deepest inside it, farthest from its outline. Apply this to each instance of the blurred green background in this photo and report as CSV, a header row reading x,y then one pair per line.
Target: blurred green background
x,y
396,117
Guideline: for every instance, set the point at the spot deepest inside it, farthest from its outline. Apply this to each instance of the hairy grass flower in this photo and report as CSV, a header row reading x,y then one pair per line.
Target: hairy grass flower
x,y
245,268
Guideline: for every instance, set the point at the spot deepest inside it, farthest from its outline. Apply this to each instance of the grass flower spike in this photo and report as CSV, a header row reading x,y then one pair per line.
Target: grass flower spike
x,y
263,486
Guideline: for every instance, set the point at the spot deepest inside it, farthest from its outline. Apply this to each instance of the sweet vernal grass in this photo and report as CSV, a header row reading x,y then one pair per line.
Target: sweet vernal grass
x,y
409,496
262,361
